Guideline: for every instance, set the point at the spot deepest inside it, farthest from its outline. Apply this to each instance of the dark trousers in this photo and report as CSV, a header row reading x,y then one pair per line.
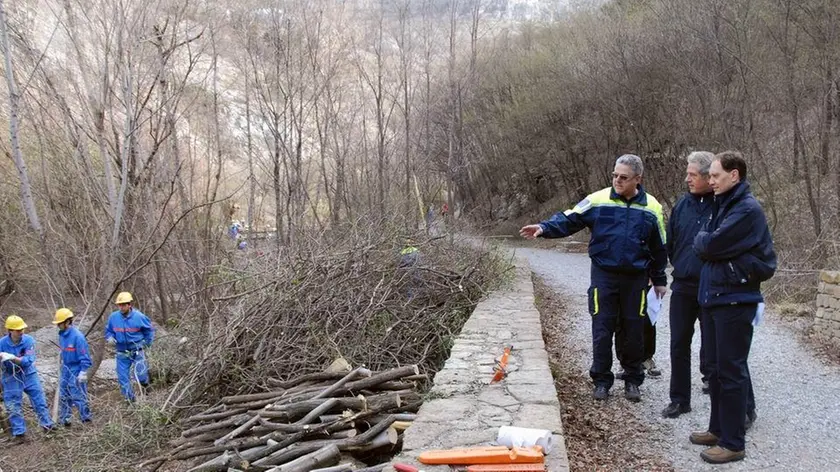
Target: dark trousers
x,y
614,297
684,312
727,334
649,334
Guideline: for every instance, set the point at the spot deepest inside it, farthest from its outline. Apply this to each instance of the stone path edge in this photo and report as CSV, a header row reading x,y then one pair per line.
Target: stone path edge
x,y
463,408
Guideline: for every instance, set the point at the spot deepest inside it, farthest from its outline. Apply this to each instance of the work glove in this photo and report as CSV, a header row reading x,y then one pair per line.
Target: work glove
x,y
82,378
111,341
5,356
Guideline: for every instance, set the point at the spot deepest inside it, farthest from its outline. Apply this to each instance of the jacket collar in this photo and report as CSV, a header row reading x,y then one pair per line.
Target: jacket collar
x,y
640,198
736,193
702,197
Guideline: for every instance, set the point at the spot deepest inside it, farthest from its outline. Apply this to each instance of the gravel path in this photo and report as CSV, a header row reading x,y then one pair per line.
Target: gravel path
x,y
797,395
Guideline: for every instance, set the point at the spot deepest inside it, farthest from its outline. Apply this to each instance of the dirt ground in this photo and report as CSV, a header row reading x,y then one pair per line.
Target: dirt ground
x,y
596,433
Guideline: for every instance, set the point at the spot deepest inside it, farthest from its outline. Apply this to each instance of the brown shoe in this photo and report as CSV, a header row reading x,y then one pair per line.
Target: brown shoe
x,y
703,438
721,455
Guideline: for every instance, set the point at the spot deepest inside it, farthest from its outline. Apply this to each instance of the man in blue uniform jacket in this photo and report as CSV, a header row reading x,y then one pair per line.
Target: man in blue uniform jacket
x,y
131,332
737,253
75,362
627,248
19,375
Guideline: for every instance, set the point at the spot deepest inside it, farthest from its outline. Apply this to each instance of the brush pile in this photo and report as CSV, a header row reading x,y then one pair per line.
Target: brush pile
x,y
361,303
312,421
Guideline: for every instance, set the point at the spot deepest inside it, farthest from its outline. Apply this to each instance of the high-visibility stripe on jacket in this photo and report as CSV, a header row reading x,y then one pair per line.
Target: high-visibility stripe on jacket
x,y
627,235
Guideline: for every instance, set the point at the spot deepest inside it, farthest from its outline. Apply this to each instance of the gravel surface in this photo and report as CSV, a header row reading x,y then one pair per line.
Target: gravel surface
x,y
797,395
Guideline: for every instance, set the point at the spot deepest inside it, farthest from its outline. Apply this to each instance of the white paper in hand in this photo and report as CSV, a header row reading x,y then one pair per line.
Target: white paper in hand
x,y
759,315
654,306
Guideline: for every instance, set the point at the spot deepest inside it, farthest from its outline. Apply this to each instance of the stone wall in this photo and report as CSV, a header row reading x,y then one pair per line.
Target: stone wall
x,y
827,322
464,409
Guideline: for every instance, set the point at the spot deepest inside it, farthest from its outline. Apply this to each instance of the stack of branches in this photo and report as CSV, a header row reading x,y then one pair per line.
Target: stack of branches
x,y
351,300
306,423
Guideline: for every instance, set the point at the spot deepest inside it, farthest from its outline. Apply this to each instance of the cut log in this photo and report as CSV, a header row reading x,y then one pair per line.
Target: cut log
x,y
288,453
381,402
241,444
402,425
395,385
353,374
397,417
417,378
325,456
328,405
216,416
206,428
317,376
236,432
388,438
223,462
252,397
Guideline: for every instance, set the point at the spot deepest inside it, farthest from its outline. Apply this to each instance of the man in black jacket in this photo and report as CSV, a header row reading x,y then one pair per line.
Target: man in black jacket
x,y
737,253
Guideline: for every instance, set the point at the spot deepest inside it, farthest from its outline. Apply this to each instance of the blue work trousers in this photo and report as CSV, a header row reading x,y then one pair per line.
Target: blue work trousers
x,y
72,393
613,296
14,386
125,361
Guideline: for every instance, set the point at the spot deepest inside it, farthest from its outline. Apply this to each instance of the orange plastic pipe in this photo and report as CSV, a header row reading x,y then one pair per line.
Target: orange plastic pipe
x,y
484,455
507,468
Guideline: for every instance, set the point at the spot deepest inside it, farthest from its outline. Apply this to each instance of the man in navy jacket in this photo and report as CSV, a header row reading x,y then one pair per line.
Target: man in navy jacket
x,y
737,253
627,248
689,215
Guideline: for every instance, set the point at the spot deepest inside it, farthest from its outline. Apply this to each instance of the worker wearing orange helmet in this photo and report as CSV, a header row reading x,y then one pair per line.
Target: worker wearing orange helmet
x,y
75,362
130,331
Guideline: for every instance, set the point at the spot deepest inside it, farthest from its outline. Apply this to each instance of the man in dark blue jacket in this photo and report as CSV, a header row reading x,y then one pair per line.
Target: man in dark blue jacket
x,y
737,253
690,213
627,248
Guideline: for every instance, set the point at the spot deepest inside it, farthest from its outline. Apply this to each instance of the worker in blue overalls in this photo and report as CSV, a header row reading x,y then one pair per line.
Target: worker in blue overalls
x,y
130,331
19,375
627,249
75,362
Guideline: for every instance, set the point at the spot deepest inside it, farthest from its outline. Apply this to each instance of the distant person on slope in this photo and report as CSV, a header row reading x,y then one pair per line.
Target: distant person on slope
x,y
75,362
19,375
627,249
736,248
131,332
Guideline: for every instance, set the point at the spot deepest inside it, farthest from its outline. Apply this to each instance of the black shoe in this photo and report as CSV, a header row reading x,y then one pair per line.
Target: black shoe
x,y
675,409
706,387
621,374
67,424
19,439
600,393
632,393
751,417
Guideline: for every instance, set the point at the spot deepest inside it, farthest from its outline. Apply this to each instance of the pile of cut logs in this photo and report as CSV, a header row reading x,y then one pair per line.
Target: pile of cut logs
x,y
325,421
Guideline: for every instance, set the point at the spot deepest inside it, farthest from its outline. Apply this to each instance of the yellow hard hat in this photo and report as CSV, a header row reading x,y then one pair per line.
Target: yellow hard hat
x,y
124,297
62,315
15,323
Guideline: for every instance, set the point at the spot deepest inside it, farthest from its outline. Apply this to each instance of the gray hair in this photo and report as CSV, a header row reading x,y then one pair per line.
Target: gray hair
x,y
633,161
702,159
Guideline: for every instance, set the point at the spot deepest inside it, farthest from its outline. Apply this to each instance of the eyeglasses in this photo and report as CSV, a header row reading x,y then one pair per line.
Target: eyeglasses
x,y
621,177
